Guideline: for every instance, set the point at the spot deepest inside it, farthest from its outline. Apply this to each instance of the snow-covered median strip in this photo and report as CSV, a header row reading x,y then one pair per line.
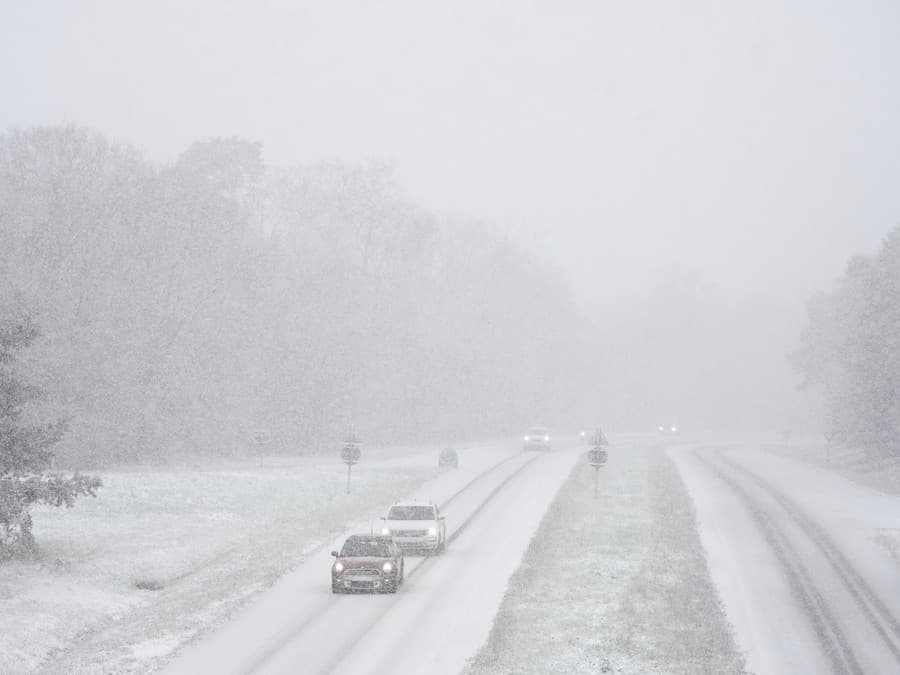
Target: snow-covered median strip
x,y
617,584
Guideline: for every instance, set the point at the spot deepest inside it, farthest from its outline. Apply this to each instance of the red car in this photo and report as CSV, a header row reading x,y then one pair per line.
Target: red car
x,y
367,562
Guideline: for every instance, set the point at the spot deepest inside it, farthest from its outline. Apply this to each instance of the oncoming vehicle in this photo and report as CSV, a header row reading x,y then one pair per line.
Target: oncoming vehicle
x,y
668,429
537,438
416,526
448,459
367,562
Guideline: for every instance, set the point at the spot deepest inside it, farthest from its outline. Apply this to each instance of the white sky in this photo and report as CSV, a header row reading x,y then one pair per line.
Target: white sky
x,y
756,141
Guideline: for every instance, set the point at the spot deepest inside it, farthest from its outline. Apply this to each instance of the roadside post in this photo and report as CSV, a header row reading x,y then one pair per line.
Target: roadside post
x,y
262,438
350,453
597,457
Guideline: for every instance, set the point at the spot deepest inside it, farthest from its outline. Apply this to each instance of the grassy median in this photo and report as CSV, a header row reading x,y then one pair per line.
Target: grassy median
x,y
617,584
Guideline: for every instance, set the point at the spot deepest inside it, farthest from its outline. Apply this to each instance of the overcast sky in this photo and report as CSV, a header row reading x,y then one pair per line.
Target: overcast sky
x,y
756,142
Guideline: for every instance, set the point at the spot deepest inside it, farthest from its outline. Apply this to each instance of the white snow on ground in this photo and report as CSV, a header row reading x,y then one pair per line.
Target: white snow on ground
x,y
770,623
437,619
211,539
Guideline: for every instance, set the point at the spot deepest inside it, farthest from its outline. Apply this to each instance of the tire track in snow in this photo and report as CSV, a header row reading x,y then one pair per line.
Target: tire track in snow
x,y
456,533
878,615
287,636
824,623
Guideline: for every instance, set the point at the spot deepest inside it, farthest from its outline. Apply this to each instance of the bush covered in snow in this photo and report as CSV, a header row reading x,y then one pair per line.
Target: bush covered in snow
x,y
26,451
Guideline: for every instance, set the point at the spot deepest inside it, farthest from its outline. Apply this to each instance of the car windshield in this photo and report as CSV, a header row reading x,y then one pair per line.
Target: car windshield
x,y
369,548
411,513
537,431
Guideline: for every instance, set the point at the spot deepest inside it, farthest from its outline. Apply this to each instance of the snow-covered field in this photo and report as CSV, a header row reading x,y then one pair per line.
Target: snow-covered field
x,y
160,557
617,584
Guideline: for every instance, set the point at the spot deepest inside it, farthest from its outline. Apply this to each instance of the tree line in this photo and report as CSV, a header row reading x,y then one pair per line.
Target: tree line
x,y
185,306
851,349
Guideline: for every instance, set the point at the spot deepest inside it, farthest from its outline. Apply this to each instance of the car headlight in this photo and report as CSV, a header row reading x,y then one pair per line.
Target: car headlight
x,y
432,531
385,530
387,567
674,428
525,439
338,567
546,439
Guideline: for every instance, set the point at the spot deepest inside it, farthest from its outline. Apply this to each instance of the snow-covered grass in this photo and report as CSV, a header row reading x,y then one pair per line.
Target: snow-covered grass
x,y
881,473
617,584
162,556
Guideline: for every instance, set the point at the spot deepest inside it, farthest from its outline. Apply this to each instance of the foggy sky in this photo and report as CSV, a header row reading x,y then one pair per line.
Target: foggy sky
x,y
755,142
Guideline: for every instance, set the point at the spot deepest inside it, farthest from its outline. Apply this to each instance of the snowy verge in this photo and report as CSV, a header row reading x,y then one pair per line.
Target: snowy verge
x,y
879,473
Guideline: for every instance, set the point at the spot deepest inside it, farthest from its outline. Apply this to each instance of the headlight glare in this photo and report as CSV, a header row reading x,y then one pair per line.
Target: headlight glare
x,y
338,567
385,530
387,567
432,531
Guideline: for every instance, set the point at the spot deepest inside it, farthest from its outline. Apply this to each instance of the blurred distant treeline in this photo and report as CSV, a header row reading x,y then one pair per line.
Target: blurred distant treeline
x,y
186,306
851,348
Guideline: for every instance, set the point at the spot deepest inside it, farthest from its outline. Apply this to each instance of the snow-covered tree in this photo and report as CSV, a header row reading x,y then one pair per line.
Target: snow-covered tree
x,y
26,451
851,348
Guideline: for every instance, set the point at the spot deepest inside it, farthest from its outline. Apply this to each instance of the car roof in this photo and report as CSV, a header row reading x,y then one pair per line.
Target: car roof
x,y
377,537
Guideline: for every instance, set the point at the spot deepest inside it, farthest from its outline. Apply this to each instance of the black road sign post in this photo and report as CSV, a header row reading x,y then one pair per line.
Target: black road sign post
x,y
597,457
350,453
261,438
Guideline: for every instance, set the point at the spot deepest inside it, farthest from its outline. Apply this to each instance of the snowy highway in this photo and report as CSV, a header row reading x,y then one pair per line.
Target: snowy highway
x,y
440,616
794,551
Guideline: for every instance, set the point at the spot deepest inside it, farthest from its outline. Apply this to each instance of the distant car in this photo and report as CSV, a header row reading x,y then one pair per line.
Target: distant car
x,y
416,526
367,562
448,459
537,438
668,429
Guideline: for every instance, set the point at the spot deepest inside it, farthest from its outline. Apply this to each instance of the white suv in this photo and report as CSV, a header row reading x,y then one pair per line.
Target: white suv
x,y
416,526
537,438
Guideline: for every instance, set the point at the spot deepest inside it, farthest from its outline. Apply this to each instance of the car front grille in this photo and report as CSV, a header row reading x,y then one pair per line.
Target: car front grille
x,y
410,533
363,573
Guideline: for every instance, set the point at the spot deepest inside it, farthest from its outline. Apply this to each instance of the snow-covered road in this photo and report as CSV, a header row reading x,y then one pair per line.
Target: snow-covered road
x,y
794,552
438,619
